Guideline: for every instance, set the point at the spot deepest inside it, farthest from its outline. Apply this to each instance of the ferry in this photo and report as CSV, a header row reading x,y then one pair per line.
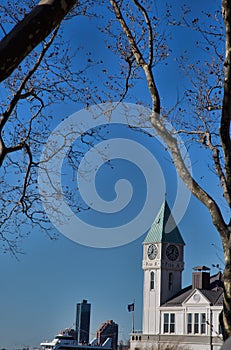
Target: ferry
x,y
66,341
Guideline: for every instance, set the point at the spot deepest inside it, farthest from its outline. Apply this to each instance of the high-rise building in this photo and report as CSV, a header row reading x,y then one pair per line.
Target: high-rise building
x,y
83,313
108,329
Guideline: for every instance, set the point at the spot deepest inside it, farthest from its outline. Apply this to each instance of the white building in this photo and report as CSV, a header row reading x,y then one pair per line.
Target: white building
x,y
176,318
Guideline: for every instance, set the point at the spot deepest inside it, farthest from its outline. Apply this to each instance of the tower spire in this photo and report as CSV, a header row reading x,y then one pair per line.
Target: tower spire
x,y
157,232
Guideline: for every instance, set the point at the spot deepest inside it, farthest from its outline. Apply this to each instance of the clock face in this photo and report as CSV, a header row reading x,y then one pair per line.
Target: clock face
x,y
152,251
172,252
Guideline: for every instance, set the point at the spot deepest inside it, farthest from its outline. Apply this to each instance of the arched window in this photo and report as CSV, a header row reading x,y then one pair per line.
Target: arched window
x,y
170,281
152,280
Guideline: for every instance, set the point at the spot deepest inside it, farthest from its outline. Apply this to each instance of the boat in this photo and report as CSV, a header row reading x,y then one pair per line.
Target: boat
x,y
66,341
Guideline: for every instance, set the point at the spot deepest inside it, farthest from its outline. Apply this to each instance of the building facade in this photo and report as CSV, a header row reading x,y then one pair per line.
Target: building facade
x,y
83,314
108,329
184,318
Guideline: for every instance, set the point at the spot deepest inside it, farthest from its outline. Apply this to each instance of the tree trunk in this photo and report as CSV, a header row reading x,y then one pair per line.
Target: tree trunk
x,y
225,316
28,33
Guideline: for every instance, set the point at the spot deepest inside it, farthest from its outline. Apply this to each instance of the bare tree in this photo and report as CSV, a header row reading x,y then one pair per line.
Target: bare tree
x,y
205,96
43,79
141,46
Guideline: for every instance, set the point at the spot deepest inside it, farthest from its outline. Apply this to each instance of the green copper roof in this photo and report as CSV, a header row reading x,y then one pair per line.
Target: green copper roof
x,y
157,232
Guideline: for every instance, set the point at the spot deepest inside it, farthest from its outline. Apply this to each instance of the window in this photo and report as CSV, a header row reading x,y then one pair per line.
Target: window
x,y
170,282
196,323
203,324
172,323
189,324
169,327
152,280
166,322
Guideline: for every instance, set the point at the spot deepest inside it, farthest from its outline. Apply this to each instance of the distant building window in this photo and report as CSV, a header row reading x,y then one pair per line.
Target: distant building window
x,y
170,282
203,324
152,284
196,323
169,323
189,324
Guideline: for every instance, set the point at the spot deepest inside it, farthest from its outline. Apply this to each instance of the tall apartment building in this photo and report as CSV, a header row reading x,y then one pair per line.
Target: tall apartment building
x,y
83,313
108,329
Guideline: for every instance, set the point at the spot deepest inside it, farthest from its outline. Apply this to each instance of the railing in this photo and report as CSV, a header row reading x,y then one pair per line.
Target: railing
x,y
137,332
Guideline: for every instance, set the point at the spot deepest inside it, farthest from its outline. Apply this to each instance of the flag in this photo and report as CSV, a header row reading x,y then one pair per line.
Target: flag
x,y
131,307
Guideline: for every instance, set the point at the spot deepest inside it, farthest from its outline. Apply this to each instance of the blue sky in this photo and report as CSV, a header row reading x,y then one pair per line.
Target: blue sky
x,y
39,292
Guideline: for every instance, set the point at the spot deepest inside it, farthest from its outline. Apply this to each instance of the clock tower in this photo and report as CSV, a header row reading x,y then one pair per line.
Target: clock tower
x,y
163,263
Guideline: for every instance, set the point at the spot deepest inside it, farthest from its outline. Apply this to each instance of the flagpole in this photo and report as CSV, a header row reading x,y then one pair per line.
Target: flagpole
x,y
131,308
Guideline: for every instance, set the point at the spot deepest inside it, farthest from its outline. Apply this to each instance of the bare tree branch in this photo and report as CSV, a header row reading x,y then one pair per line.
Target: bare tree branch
x,y
28,33
150,33
18,95
138,56
207,102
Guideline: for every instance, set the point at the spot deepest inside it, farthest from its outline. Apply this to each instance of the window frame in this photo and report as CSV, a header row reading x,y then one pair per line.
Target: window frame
x,y
203,323
196,323
152,280
169,323
189,323
172,323
166,323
